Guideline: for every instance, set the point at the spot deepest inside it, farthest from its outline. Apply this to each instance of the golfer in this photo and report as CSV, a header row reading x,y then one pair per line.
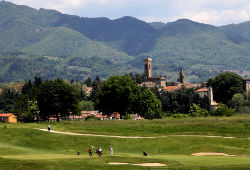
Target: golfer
x,y
111,150
48,128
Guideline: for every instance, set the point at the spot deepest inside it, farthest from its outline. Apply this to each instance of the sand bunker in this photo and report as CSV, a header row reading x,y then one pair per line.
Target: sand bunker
x,y
150,164
117,163
211,154
140,164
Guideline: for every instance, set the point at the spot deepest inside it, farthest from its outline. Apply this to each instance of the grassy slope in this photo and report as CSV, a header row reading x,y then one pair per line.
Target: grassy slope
x,y
186,43
89,58
23,147
25,34
242,29
66,42
16,29
237,126
81,56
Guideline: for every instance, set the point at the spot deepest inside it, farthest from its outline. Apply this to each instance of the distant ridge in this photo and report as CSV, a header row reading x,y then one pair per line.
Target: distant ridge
x,y
73,47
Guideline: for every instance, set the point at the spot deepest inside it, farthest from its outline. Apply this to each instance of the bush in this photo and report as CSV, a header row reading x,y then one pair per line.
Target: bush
x,y
223,110
92,117
237,101
197,111
166,114
179,116
244,109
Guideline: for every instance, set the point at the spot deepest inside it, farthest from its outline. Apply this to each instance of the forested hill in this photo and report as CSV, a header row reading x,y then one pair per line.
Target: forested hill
x,y
52,44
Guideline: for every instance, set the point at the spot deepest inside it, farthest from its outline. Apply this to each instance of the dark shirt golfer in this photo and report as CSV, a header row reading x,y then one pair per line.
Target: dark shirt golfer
x,y
48,128
90,152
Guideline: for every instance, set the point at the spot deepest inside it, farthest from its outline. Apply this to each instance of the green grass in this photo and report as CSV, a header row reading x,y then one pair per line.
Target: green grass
x,y
23,147
237,126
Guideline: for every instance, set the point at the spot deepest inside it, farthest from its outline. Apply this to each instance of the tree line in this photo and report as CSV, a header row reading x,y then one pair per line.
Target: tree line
x,y
40,100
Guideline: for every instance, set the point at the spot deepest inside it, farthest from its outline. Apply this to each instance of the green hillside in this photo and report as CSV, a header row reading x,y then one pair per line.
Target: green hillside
x,y
65,42
77,47
16,35
242,29
198,48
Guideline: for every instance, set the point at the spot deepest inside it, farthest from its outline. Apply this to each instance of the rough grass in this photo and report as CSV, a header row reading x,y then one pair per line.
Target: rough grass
x,y
237,126
23,147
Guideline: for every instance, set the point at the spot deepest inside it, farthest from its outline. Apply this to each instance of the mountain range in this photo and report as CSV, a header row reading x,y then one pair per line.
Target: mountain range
x,y
54,45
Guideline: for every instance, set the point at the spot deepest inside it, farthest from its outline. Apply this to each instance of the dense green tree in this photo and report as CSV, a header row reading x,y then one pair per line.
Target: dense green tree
x,y
149,106
77,86
137,77
21,107
88,82
57,98
118,94
26,107
122,94
95,87
86,105
26,110
225,86
7,99
169,103
203,102
31,88
180,101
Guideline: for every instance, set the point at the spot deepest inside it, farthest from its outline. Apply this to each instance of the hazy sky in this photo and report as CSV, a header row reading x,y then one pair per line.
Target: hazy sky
x,y
215,12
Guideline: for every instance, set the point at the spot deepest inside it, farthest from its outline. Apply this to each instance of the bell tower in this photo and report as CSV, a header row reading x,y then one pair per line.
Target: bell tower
x,y
147,67
181,76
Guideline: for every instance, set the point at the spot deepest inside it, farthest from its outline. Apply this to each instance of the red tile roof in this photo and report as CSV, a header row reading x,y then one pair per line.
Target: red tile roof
x,y
6,114
172,88
202,90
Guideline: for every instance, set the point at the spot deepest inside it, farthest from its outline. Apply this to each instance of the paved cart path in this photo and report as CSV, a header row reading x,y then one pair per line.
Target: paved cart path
x,y
136,137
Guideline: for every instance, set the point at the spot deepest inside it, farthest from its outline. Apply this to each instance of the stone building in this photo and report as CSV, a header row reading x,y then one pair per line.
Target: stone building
x,y
181,83
181,76
149,80
209,93
247,85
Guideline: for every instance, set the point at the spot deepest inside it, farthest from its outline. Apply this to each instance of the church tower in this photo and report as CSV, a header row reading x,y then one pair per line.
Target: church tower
x,y
181,76
147,67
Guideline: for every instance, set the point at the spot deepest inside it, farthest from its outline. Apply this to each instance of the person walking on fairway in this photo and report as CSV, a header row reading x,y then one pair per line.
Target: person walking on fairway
x,y
48,128
111,150
100,151
90,152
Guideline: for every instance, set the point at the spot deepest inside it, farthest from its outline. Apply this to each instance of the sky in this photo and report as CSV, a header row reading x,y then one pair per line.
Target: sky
x,y
215,12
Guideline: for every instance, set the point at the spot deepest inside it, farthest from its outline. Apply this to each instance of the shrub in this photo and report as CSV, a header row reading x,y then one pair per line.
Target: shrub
x,y
244,109
197,111
92,117
166,114
179,116
223,110
237,101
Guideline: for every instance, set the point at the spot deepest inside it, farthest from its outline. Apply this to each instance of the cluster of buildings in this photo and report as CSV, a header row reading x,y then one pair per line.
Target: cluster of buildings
x,y
159,82
11,118
98,115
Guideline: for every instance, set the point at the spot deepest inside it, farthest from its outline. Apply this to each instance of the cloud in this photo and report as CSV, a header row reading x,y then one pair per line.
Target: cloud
x,y
213,11
221,17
